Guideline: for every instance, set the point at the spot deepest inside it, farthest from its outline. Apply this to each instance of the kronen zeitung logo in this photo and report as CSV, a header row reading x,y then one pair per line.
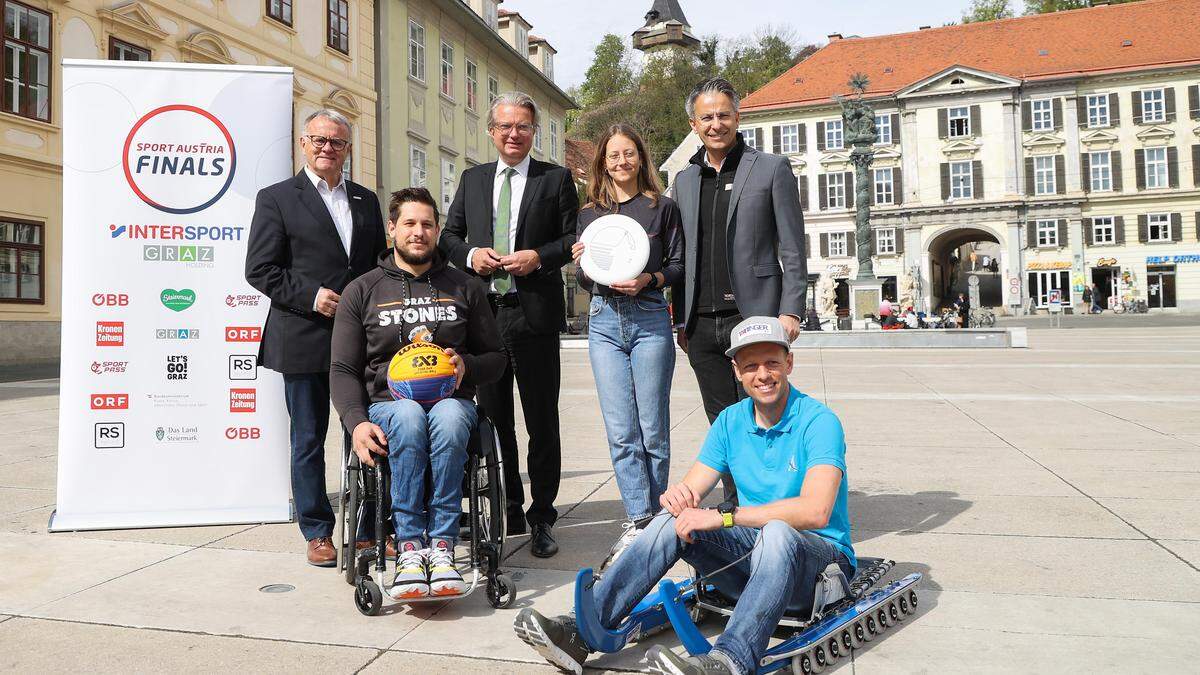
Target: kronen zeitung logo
x,y
179,159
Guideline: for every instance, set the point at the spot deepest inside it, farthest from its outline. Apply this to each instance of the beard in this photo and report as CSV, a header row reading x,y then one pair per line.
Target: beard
x,y
414,258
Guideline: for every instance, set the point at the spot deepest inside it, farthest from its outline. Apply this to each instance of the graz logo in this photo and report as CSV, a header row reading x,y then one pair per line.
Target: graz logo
x,y
179,159
177,333
102,367
177,301
177,367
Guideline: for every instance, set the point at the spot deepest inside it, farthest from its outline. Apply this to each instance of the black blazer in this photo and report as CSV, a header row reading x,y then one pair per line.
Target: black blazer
x,y
545,223
294,249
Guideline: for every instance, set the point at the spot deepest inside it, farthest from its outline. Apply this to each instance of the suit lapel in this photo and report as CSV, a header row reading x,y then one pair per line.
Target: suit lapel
x,y
357,203
316,206
487,187
739,182
532,185
689,192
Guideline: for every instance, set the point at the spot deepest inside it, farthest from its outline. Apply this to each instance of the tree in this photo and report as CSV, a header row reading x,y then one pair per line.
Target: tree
x,y
987,10
1047,6
610,74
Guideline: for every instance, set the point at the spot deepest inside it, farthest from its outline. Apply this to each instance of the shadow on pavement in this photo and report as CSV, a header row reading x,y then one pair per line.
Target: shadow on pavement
x,y
879,514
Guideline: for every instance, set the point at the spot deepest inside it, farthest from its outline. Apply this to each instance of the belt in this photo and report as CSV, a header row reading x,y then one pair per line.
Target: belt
x,y
506,300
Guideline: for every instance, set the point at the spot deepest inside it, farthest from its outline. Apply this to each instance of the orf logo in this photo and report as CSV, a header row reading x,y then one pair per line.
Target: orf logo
x,y
179,159
110,401
110,300
243,333
242,433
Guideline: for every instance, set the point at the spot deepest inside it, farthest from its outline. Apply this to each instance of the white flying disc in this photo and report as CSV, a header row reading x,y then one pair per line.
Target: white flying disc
x,y
615,249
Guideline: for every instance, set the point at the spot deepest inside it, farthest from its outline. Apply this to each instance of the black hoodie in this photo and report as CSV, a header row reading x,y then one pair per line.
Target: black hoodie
x,y
387,308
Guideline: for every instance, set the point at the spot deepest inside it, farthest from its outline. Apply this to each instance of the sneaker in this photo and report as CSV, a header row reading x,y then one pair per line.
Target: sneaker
x,y
412,575
444,578
667,662
631,532
557,639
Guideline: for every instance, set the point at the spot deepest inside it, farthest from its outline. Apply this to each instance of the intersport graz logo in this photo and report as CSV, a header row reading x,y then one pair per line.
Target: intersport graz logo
x,y
179,159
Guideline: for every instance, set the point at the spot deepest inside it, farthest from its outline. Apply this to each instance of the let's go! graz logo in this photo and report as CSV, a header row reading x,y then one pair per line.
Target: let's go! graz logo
x,y
179,159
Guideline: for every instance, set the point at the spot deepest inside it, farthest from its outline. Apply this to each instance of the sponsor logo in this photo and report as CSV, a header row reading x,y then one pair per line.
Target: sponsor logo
x,y
418,310
243,333
242,400
110,435
754,329
110,401
174,401
191,256
242,433
103,367
176,333
243,367
176,232
179,158
177,367
251,300
110,333
172,434
110,300
177,301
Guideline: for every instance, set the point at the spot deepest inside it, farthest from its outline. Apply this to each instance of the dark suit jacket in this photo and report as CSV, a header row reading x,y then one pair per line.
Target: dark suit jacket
x,y
294,249
545,223
764,238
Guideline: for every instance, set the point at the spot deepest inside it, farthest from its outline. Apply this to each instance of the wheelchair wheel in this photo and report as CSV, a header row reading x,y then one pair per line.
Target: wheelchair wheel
x,y
501,591
368,597
353,513
489,497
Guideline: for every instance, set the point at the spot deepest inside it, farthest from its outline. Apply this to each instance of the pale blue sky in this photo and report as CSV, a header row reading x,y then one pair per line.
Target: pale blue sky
x,y
575,26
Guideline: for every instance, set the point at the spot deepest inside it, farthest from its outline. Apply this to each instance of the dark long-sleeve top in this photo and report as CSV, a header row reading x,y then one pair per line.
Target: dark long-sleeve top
x,y
664,227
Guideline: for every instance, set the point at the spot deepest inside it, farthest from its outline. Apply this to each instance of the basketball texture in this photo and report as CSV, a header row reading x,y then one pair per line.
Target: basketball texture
x,y
421,372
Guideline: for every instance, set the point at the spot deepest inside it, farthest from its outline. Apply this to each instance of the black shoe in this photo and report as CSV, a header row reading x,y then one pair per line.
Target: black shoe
x,y
516,523
557,639
666,662
543,545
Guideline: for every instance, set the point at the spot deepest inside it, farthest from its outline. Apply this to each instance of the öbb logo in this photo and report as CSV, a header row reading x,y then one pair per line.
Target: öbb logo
x,y
179,159
243,433
110,300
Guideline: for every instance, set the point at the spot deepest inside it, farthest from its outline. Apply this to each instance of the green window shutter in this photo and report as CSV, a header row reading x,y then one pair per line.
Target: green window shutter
x,y
1173,167
1194,102
898,185
821,136
849,182
802,184
824,244
1143,228
1060,174
945,181
822,194
1114,109
1029,187
1169,95
1119,227
976,127
977,179
1062,232
898,237
1026,116
777,139
1085,171
1176,226
1030,234
1139,166
894,120
1087,231
851,244
1114,159
1056,106
800,130
1081,110
943,123
1137,107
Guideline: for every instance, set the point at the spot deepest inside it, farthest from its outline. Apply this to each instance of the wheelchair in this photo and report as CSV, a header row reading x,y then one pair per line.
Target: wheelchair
x,y
365,489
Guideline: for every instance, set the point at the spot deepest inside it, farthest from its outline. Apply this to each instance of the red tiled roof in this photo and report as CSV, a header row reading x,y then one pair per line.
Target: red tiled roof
x,y
1077,41
579,157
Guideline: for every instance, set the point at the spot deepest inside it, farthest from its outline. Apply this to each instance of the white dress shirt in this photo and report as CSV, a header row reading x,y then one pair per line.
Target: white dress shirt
x,y
337,202
517,185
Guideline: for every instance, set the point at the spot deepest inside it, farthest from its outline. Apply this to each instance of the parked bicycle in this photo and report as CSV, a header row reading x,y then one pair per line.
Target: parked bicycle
x,y
982,318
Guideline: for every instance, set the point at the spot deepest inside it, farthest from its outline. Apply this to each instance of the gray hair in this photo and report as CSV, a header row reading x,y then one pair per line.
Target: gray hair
x,y
516,98
333,116
713,85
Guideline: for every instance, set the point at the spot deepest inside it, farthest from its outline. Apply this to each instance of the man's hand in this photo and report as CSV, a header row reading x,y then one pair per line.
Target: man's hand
x,y
678,498
368,439
327,302
633,286
460,366
681,338
521,263
485,261
697,520
791,326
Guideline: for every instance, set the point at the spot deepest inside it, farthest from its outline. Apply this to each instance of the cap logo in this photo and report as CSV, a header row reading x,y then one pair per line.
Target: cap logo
x,y
754,329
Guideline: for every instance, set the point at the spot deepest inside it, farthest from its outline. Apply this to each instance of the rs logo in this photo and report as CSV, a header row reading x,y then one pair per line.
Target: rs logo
x,y
427,360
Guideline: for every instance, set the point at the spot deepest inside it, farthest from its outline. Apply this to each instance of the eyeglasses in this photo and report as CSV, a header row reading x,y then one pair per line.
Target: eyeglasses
x,y
338,144
521,129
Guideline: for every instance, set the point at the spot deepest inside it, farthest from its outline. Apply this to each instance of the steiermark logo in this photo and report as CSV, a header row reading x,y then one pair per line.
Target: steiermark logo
x,y
178,300
159,433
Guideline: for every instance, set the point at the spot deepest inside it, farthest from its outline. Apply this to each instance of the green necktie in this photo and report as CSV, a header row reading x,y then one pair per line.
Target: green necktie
x,y
500,279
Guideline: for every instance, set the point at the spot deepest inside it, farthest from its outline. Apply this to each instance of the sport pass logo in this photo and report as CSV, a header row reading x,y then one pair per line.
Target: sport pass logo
x,y
179,159
110,401
110,300
249,300
242,400
242,433
102,367
110,333
243,334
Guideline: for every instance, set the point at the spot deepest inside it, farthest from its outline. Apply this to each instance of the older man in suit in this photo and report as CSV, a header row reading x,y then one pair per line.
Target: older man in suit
x,y
512,222
311,235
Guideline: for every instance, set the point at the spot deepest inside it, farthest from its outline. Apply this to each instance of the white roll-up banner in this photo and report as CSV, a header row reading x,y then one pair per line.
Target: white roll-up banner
x,y
165,417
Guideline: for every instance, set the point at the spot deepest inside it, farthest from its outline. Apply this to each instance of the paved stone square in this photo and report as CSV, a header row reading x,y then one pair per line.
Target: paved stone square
x,y
1050,496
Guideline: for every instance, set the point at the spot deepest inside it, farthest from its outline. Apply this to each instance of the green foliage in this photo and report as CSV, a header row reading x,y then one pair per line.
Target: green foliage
x,y
987,10
609,75
1046,6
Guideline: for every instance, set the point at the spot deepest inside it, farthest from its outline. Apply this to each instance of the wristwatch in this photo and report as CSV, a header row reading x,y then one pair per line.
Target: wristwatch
x,y
726,510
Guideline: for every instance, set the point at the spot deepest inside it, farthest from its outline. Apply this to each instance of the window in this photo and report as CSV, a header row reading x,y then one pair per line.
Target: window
x,y
493,89
348,168
26,61
1047,233
448,177
960,180
1043,175
280,10
548,64
959,120
1041,283
1156,168
537,138
1097,110
883,127
416,51
21,278
447,70
1104,230
416,157
522,39
750,137
1159,227
1101,171
835,190
472,85
884,187
339,25
489,13
789,139
1043,114
885,241
554,139
1154,107
119,50
837,244
833,135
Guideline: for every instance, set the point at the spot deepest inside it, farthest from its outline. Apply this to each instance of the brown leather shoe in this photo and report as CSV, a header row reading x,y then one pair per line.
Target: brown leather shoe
x,y
389,549
321,552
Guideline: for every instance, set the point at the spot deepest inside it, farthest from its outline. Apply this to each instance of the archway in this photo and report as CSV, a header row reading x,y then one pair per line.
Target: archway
x,y
958,253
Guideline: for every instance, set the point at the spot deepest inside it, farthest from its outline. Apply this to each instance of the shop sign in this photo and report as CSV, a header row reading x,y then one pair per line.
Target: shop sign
x,y
1049,265
1106,262
1161,259
838,271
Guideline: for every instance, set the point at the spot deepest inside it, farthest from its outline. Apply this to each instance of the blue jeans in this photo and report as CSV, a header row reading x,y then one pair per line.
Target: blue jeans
x,y
779,574
419,441
632,351
307,399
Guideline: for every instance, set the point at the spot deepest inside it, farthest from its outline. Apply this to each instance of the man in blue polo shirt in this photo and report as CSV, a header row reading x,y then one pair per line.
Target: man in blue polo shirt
x,y
787,454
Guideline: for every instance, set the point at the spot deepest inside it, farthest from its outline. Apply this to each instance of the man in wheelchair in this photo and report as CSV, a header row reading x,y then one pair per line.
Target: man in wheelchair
x,y
786,452
414,295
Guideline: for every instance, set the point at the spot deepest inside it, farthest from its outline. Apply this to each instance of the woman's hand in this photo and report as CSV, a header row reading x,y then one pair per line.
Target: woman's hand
x,y
577,250
633,286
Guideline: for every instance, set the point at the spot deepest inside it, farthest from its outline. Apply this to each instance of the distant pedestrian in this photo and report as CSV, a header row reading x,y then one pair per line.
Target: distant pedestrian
x,y
963,307
1096,308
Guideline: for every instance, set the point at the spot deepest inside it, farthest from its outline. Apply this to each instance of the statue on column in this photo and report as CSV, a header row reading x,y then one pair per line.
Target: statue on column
x,y
858,125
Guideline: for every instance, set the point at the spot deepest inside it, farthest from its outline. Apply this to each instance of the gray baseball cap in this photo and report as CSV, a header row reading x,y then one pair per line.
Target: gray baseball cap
x,y
757,329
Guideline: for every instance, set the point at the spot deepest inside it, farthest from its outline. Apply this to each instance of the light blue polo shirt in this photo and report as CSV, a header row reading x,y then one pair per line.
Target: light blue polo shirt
x,y
769,464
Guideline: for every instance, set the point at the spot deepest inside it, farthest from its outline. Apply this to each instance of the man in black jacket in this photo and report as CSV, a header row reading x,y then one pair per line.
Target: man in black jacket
x,y
414,296
512,222
310,236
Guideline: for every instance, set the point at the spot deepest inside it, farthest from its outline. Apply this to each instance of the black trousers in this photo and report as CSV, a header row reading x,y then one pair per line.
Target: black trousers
x,y
719,389
533,361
